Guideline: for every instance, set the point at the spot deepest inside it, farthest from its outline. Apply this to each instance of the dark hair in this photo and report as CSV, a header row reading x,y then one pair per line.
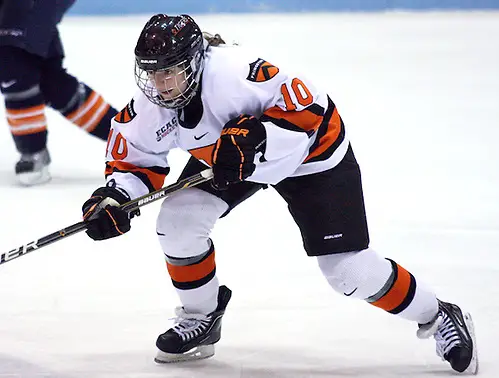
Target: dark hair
x,y
213,40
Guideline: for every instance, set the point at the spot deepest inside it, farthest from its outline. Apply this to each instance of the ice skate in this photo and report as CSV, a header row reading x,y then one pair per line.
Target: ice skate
x,y
32,169
193,336
454,334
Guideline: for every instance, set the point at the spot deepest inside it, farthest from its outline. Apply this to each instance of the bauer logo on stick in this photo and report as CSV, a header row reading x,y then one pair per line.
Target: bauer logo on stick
x,y
12,254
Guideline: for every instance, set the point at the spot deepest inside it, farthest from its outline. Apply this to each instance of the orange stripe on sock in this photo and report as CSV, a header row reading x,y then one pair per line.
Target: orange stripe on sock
x,y
76,115
27,121
91,126
96,106
20,112
29,131
193,272
14,122
84,117
397,293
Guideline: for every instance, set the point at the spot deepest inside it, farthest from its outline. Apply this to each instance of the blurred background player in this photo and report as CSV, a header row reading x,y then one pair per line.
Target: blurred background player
x,y
32,77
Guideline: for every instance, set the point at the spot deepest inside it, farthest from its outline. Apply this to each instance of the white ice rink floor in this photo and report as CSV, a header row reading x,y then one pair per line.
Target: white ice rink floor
x,y
419,94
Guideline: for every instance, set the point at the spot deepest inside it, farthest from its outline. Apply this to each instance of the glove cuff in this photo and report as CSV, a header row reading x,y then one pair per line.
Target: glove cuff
x,y
114,193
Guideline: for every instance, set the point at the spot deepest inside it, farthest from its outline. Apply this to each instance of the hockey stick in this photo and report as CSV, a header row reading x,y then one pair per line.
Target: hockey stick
x,y
188,182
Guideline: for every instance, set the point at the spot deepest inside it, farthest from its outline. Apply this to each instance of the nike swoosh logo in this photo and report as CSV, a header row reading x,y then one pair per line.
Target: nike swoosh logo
x,y
349,294
7,84
199,137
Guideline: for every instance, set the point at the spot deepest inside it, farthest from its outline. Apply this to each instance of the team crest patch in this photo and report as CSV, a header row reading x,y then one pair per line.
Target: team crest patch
x,y
127,114
261,70
166,129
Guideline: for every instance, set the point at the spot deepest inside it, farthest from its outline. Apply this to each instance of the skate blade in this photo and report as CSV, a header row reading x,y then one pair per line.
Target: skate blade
x,y
34,178
198,353
474,364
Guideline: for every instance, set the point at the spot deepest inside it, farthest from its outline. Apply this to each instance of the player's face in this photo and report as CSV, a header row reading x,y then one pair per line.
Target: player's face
x,y
169,83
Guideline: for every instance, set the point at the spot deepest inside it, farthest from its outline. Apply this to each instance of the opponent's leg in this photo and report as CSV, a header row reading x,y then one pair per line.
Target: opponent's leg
x,y
20,77
74,100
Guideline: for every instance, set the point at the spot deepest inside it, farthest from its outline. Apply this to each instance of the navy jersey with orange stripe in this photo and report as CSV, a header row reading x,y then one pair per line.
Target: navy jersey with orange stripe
x,y
305,133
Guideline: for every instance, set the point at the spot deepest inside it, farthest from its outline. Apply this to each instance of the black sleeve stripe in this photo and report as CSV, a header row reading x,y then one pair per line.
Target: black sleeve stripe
x,y
330,150
159,170
284,123
281,123
141,176
323,129
316,109
155,169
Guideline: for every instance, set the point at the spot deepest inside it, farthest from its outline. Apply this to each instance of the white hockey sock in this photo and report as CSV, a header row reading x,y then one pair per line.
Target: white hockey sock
x,y
381,282
195,281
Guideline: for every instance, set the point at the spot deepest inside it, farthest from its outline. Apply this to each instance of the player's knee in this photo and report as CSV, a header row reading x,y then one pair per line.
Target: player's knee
x,y
186,220
62,91
19,77
357,274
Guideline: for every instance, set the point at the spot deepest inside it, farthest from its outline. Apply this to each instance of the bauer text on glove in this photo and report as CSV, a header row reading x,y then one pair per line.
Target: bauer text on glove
x,y
233,157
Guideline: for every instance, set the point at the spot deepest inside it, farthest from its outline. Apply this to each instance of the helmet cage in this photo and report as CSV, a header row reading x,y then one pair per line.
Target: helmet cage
x,y
181,78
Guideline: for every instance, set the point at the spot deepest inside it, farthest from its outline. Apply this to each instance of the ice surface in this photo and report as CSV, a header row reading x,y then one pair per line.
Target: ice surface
x,y
419,94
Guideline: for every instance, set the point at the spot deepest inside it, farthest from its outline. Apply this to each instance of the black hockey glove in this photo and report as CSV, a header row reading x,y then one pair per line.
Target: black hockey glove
x,y
105,219
241,139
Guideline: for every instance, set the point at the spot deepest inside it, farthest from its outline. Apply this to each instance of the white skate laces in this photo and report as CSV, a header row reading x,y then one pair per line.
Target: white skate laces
x,y
454,335
193,336
189,326
444,332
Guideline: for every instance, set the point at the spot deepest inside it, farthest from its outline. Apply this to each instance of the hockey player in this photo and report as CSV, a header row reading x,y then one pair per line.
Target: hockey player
x,y
32,77
256,124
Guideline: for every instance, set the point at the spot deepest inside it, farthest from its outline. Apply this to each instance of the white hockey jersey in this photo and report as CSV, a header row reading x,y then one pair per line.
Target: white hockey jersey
x,y
305,133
